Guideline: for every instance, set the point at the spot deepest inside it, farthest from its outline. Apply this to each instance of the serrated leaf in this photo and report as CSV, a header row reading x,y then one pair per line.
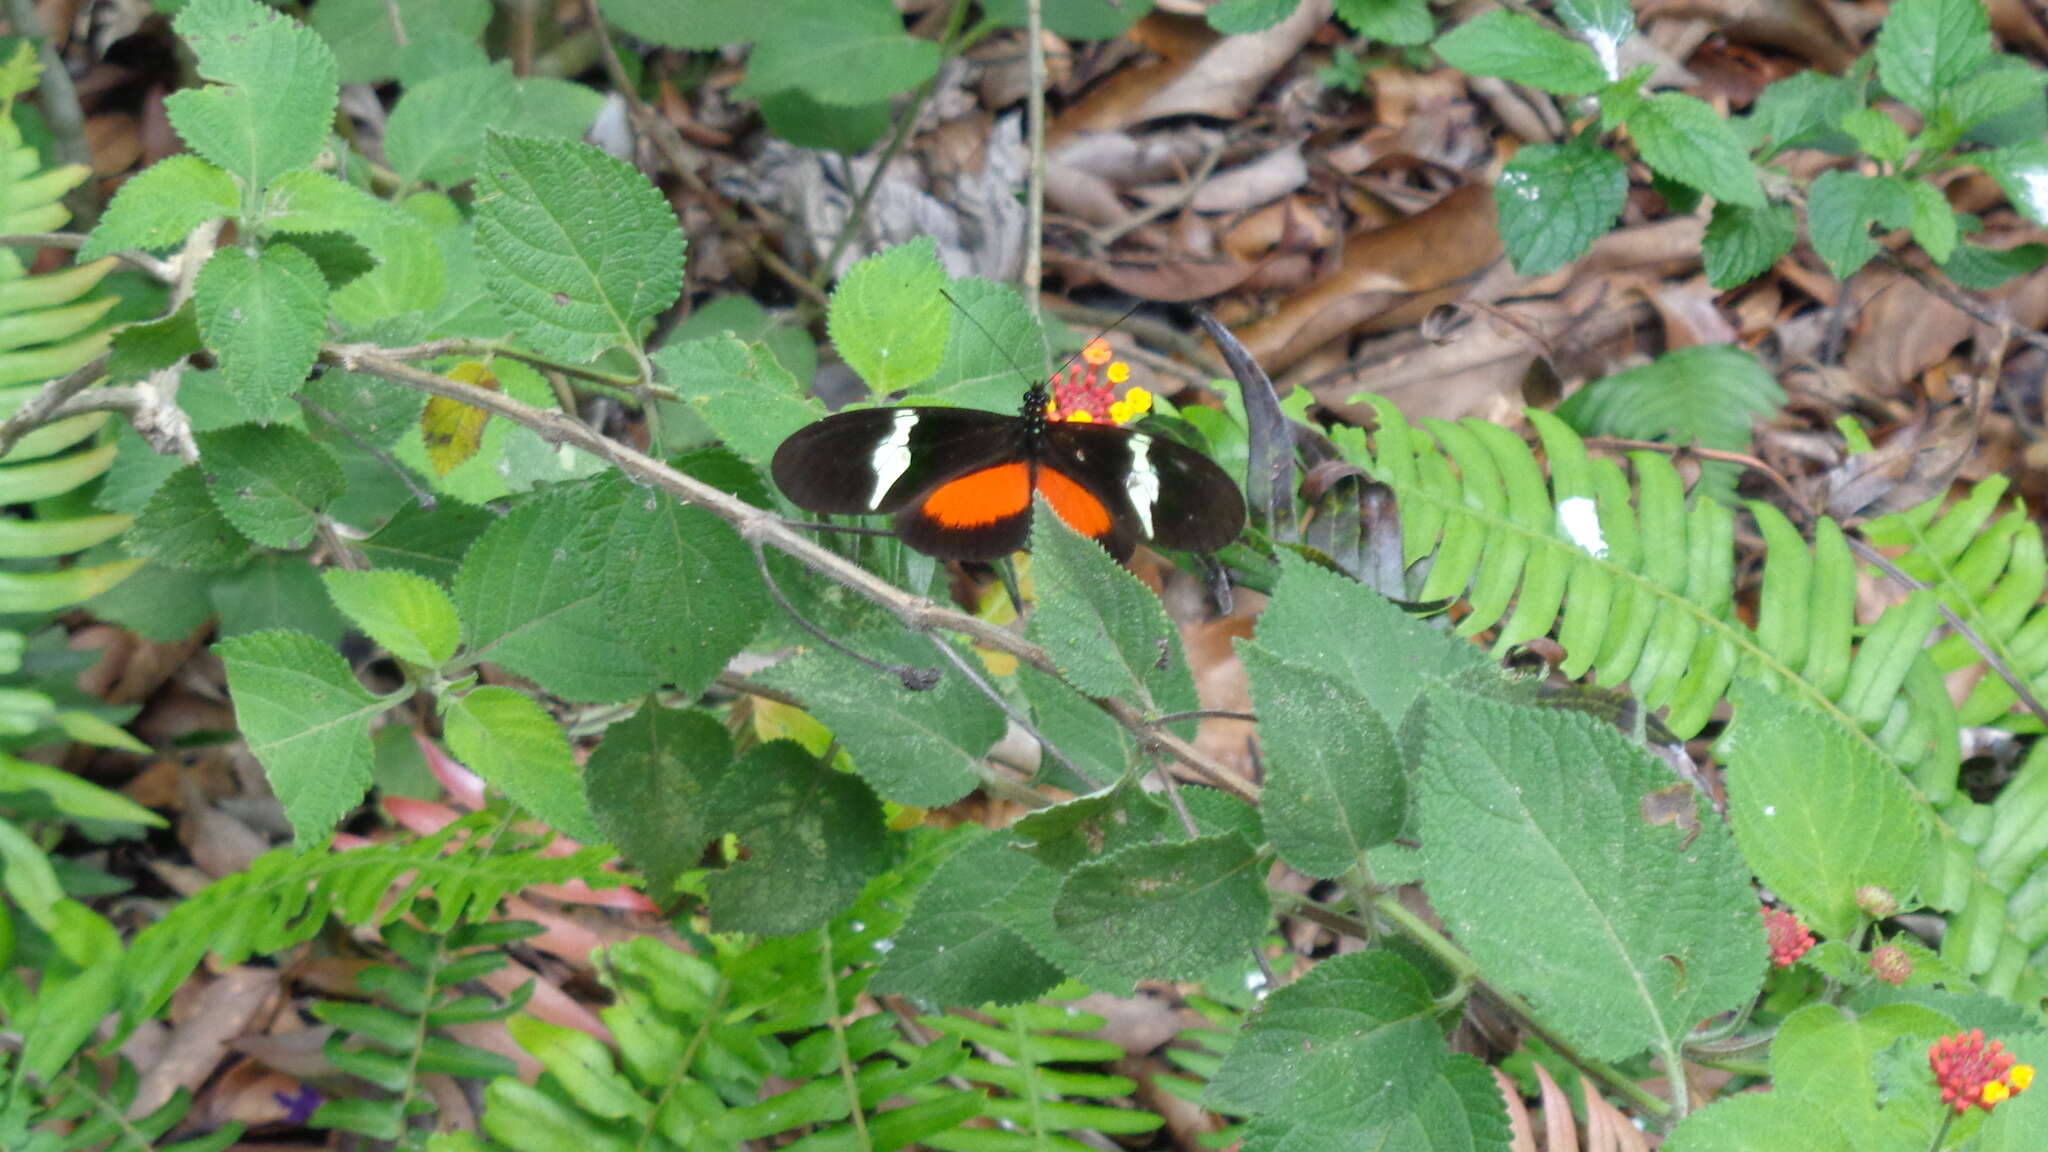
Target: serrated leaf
x,y
887,318
746,397
2022,170
1351,1056
1239,17
181,527
271,483
852,129
1515,47
276,93
1799,110
920,748
1389,21
307,722
1073,19
954,950
1934,222
1815,836
1983,269
701,24
1166,911
436,131
577,245
410,615
814,837
1682,137
839,52
364,34
1708,392
503,736
1840,208
161,205
141,349
1604,24
1332,790
649,784
452,430
530,599
1877,134
680,585
1555,200
275,590
1741,243
2006,86
1106,632
1537,854
1828,1057
1926,47
429,541
263,315
1752,1123
993,351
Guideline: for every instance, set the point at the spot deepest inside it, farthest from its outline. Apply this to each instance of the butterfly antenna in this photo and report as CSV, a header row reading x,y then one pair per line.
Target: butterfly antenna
x,y
1069,362
983,329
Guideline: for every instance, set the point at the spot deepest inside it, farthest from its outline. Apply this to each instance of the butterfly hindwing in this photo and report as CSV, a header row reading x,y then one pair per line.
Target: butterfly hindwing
x,y
881,459
1153,488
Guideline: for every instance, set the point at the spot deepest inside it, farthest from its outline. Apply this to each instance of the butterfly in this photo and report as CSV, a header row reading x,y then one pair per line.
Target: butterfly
x,y
958,482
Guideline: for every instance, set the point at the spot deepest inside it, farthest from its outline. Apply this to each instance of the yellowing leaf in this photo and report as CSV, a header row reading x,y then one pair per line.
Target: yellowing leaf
x,y
454,430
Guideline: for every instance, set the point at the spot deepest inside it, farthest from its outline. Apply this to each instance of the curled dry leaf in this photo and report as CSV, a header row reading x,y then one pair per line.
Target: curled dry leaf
x,y
200,1037
1225,80
1262,181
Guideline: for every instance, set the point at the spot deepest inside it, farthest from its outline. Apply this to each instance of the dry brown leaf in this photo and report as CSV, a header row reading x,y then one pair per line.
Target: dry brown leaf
x,y
2020,23
1522,1138
1114,104
1803,27
1560,1128
1247,186
1225,80
200,1036
1901,330
1169,280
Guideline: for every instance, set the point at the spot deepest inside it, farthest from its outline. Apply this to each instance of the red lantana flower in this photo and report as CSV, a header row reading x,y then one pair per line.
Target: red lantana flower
x,y
1970,1072
1789,938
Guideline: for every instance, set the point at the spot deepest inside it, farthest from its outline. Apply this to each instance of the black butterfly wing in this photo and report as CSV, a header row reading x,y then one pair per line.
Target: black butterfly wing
x,y
873,460
1155,488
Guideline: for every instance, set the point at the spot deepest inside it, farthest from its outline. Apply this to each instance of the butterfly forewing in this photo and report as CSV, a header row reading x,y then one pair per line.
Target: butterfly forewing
x,y
882,459
1153,488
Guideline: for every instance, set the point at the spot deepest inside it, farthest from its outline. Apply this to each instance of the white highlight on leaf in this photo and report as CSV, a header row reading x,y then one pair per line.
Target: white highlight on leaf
x,y
2033,184
1579,518
1143,482
892,456
1607,48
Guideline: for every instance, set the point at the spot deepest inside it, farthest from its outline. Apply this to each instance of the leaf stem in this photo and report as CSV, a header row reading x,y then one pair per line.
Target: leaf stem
x,y
1034,116
830,971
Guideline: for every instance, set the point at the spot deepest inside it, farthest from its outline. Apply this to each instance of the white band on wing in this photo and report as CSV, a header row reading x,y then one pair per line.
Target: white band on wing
x,y
892,455
1143,482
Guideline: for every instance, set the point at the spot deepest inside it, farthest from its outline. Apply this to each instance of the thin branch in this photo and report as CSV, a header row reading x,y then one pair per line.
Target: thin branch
x,y
1968,305
1023,724
1110,234
163,270
1034,115
756,524
459,346
1743,459
426,499
42,407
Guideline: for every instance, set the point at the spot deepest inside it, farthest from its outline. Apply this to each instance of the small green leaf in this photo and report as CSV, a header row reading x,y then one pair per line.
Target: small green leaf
x,y
1682,137
2022,170
1092,826
271,483
1239,17
1927,47
275,590
264,316
814,837
307,721
1983,269
181,527
436,131
1877,134
988,347
699,24
410,615
1539,857
887,318
1829,1057
503,736
1800,111
1934,222
1840,208
1754,1123
71,795
1815,836
141,349
1519,48
2007,85
1741,243
852,129
276,93
429,541
1389,21
1106,632
954,950
161,205
1073,19
1555,200
1332,790
575,244
1605,24
749,400
364,34
1168,911
1708,392
846,52
648,785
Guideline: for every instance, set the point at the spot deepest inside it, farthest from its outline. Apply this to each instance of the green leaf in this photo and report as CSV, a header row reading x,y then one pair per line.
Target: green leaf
x,y
271,483
73,796
1519,48
1815,836
276,96
575,245
1332,790
1983,269
993,351
1757,1123
1841,206
503,736
1934,222
678,583
1926,47
1877,134
1106,632
1238,17
408,614
530,597
920,748
1555,200
749,400
1351,1056
181,527
1828,1057
364,33
1604,24
1708,392
2022,170
1389,21
887,318
140,349
700,24
814,837
436,132
307,721
264,316
275,591
161,205
955,950
649,784
1167,911
1801,110
1537,855
429,541
1682,137
1741,243
804,122
2005,96
1073,19
847,52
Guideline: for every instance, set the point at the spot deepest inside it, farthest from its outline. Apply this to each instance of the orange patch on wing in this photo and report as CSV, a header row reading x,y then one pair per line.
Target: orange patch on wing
x,y
982,497
1075,504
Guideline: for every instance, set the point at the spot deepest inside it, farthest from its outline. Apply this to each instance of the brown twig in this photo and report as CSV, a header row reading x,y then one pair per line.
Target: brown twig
x,y
164,270
1968,305
1743,459
759,525
1034,191
43,407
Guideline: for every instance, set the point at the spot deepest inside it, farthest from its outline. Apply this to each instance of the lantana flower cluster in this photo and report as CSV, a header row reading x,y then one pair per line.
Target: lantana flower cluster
x,y
1788,938
1087,392
1970,1072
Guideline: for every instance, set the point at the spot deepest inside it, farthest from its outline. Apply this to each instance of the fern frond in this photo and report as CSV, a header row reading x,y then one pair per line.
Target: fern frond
x,y
86,1109
1035,1103
283,898
1636,581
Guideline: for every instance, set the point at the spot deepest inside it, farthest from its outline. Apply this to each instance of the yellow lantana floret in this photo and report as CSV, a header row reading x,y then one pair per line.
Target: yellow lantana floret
x,y
1139,399
1995,1091
1119,372
1097,352
2020,1077
1082,416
